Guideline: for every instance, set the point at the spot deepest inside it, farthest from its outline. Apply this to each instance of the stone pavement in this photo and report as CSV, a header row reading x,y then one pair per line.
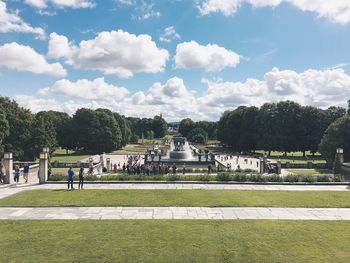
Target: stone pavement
x,y
181,213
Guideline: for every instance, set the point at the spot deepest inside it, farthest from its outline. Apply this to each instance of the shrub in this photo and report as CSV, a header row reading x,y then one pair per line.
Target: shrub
x,y
173,177
223,177
204,177
308,179
273,178
57,177
239,177
291,178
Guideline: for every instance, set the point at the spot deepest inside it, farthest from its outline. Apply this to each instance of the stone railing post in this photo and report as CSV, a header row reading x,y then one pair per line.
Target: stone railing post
x,y
43,168
8,166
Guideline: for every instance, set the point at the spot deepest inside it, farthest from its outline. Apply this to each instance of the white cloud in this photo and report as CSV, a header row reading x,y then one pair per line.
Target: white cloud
x,y
114,53
12,22
210,57
42,4
169,34
322,88
96,89
337,11
24,58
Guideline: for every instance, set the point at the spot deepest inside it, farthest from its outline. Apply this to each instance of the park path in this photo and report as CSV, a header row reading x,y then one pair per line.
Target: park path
x,y
179,213
7,190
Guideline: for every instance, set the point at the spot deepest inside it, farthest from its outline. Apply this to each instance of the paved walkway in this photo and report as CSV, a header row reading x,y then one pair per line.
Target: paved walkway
x,y
229,213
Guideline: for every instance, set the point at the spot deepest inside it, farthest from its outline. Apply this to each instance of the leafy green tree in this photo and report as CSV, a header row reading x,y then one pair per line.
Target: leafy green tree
x,y
197,135
20,122
237,128
124,128
159,127
4,130
96,131
336,136
43,135
61,122
186,125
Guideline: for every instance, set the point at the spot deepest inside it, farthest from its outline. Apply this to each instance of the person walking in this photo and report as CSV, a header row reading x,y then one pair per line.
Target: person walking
x,y
17,172
81,178
25,172
70,177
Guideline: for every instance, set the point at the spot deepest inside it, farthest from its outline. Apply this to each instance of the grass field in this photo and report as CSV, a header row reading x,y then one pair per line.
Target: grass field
x,y
309,171
208,198
132,149
174,241
61,156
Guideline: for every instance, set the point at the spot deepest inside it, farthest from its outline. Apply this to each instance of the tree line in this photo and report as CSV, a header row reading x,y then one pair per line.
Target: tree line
x,y
286,127
91,131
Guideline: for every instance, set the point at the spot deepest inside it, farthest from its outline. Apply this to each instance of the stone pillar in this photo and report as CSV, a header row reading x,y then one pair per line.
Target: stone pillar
x,y
8,167
338,161
43,167
108,163
279,167
262,166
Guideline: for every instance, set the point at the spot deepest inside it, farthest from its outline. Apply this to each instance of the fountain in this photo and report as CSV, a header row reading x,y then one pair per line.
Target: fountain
x,y
180,150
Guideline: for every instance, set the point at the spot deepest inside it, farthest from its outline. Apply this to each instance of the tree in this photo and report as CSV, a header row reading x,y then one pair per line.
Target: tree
x,y
197,135
336,136
43,135
96,131
159,127
20,122
237,128
4,130
62,125
124,128
186,125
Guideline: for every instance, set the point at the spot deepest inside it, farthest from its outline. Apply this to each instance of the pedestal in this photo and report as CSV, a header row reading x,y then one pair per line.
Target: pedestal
x,y
8,167
43,168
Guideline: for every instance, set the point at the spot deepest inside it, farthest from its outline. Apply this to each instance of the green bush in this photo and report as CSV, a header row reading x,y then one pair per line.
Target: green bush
x,y
173,177
291,178
273,178
204,177
223,177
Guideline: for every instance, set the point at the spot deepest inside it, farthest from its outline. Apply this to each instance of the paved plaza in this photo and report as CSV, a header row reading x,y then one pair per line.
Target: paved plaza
x,y
182,213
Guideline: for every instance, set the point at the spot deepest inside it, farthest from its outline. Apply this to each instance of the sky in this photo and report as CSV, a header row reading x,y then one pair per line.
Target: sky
x,y
178,58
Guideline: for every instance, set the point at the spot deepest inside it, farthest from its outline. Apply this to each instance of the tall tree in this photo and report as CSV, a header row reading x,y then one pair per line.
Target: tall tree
x,y
20,123
336,136
186,125
159,127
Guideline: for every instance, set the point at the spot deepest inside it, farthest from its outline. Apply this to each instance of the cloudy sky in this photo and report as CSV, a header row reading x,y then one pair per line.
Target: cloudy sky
x,y
181,58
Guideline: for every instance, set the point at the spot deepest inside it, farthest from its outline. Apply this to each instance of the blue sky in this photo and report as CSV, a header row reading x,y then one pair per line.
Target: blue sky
x,y
181,58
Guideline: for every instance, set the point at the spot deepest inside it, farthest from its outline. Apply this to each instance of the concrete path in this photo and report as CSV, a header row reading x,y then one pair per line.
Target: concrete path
x,y
182,213
7,190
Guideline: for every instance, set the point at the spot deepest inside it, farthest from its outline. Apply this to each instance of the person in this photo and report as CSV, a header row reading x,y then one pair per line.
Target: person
x,y
183,169
70,177
174,168
16,174
25,172
81,178
2,175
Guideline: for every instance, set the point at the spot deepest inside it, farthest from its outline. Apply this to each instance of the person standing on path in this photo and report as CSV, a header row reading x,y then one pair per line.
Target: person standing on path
x,y
81,178
70,177
25,172
17,174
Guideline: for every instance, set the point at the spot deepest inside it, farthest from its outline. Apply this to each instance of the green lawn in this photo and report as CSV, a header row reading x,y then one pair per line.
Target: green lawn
x,y
61,156
132,149
309,171
174,241
209,198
